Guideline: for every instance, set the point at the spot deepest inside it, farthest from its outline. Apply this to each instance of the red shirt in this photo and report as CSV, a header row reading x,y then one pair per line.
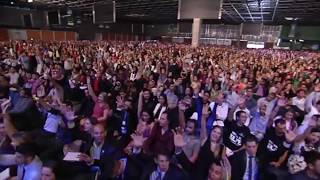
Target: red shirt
x,y
98,110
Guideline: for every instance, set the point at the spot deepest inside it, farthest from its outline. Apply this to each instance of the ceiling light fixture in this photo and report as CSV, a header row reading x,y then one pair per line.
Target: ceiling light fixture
x,y
69,12
136,15
291,18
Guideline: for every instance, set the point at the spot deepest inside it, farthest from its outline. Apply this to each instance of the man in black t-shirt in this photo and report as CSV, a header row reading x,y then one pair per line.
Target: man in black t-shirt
x,y
235,133
273,150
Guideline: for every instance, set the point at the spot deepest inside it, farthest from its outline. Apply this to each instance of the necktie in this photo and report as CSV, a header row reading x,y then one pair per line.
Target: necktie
x,y
23,173
158,112
158,175
212,117
124,123
250,168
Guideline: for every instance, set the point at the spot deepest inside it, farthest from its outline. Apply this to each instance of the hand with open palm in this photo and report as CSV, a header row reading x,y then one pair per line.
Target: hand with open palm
x,y
290,136
138,140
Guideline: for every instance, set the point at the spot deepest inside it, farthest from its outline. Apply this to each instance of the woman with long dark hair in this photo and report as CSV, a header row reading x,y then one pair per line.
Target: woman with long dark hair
x,y
212,149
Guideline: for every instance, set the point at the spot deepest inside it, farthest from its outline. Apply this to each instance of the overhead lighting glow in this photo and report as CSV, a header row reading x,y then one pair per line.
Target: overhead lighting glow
x,y
288,18
278,42
136,15
69,12
30,1
11,2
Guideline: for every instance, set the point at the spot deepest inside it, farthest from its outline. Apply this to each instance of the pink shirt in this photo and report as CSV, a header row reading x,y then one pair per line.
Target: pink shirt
x,y
98,110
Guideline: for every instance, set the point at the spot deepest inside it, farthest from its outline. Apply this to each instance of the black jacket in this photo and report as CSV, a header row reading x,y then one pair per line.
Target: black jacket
x,y
174,173
147,164
238,162
108,152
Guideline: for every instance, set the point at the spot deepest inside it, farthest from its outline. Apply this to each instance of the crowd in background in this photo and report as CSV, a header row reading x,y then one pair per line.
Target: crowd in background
x,y
158,111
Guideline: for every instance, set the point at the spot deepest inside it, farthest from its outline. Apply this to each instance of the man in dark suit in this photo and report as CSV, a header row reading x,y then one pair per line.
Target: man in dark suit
x,y
96,155
161,169
99,151
244,164
124,168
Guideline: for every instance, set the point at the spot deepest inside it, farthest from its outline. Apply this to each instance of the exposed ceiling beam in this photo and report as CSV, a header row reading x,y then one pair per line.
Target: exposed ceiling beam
x,y
237,12
249,11
275,9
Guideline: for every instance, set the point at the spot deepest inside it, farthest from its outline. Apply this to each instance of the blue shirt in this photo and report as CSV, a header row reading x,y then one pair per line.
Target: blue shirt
x,y
32,171
259,123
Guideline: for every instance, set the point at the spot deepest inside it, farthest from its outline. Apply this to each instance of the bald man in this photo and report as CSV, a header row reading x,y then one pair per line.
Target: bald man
x,y
98,151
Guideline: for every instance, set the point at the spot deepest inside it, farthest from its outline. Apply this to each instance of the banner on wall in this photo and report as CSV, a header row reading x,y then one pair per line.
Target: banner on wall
x,y
227,42
17,34
220,42
207,41
224,42
255,45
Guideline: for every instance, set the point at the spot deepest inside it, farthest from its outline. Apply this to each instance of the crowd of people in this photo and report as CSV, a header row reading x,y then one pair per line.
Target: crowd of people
x,y
157,111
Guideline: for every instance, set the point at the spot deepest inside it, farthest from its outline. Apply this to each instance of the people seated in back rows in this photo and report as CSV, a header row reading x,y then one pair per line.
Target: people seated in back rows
x,y
157,111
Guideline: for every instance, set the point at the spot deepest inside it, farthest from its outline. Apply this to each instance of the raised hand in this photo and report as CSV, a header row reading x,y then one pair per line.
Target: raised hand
x,y
182,106
5,105
138,140
226,166
141,94
120,102
290,136
178,137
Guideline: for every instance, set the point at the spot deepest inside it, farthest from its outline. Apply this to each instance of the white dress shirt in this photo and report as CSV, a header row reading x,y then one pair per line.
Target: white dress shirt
x,y
52,122
95,151
222,111
155,174
300,103
254,168
32,171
